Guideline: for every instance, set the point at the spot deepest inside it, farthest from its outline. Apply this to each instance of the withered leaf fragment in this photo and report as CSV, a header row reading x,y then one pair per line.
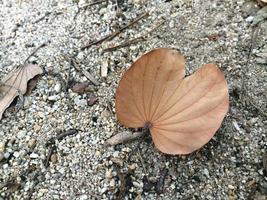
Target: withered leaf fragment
x,y
15,83
182,113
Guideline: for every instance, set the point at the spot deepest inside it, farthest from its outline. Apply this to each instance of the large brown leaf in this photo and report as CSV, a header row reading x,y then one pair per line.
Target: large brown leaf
x,y
15,83
182,113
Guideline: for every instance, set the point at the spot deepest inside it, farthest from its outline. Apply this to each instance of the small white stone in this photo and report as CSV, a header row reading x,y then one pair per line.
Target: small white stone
x,y
61,170
103,190
57,87
80,102
249,19
231,187
53,98
16,154
83,197
21,134
34,155
5,166
206,172
112,183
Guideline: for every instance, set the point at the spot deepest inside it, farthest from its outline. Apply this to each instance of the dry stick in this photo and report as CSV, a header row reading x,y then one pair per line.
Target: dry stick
x,y
88,5
84,72
114,34
92,4
141,160
34,52
46,14
66,133
135,40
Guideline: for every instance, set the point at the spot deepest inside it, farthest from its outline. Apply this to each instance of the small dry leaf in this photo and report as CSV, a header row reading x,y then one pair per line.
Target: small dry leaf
x,y
182,113
81,88
15,83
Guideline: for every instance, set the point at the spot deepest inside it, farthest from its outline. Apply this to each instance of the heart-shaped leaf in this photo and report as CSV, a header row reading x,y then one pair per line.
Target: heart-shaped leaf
x,y
182,114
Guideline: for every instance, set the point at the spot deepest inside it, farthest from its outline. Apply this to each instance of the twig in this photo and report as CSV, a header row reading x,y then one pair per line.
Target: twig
x,y
48,157
66,133
141,160
135,40
34,52
45,15
125,44
92,4
88,5
114,34
84,72
123,137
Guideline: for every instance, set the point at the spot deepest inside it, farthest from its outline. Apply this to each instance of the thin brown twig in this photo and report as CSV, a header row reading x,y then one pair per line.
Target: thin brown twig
x,y
135,40
74,63
92,4
141,160
88,5
34,52
114,34
46,14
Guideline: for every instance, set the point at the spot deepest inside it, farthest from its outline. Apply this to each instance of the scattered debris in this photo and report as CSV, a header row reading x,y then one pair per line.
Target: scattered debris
x,y
85,73
123,137
135,40
81,88
114,34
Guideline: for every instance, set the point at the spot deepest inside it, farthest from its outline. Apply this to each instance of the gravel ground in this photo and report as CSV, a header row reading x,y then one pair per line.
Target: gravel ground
x,y
81,166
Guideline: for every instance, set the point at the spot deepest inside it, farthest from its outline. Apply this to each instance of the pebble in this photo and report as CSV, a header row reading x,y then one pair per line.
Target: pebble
x,y
16,154
54,158
6,155
80,102
83,197
206,172
34,155
2,147
53,98
108,174
31,143
103,190
21,134
57,87
37,128
112,183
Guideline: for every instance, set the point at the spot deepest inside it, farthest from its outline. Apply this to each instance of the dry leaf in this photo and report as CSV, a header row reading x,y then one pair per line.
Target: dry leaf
x,y
15,83
182,113
81,88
